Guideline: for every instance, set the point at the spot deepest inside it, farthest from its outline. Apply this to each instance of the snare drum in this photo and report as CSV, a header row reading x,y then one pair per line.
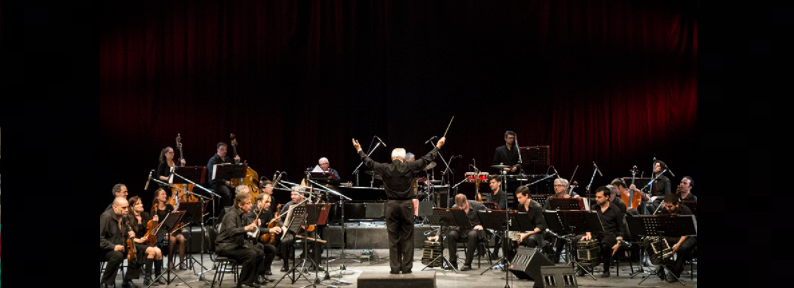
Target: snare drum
x,y
589,252
471,177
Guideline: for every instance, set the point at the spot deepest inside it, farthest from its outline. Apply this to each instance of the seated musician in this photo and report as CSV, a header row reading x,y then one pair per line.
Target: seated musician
x,y
622,189
150,254
113,234
263,204
614,229
326,167
119,190
684,245
532,238
615,199
161,209
222,186
560,191
287,248
231,241
500,198
684,190
472,237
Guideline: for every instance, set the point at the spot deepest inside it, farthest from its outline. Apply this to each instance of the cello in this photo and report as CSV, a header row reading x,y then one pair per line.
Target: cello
x,y
251,178
633,198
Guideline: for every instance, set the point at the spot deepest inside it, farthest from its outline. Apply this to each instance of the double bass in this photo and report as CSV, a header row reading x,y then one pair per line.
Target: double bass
x,y
633,198
251,178
180,188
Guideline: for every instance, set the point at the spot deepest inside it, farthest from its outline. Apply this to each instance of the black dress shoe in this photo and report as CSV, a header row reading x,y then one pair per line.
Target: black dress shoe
x,y
466,267
284,269
129,284
241,285
103,285
394,272
581,272
605,274
407,272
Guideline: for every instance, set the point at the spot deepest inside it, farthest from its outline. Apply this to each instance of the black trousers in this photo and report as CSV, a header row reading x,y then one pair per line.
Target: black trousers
x,y
250,256
114,259
684,253
472,237
226,196
400,225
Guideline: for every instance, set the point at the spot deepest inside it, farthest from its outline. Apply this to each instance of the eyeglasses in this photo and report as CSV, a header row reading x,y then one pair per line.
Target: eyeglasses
x,y
559,185
169,152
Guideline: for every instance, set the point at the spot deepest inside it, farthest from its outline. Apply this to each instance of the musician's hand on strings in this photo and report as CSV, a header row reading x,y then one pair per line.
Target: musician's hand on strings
x,y
356,145
676,246
183,161
585,237
119,248
275,230
155,218
441,142
131,234
138,240
478,227
237,158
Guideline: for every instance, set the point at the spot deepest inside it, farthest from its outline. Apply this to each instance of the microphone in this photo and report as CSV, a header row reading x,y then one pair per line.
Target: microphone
x,y
431,139
475,164
381,141
145,187
555,171
599,170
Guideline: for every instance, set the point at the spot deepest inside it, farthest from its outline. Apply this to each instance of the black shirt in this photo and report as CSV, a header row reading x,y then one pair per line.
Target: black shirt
x,y
611,219
535,214
264,218
474,206
682,210
232,233
110,232
661,186
619,202
499,198
398,175
547,205
139,228
690,197
219,180
163,170
507,157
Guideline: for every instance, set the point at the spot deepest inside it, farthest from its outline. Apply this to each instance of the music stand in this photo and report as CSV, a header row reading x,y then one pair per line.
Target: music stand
x,y
571,223
663,225
559,203
497,221
193,214
167,224
317,214
444,217
297,215
226,171
540,198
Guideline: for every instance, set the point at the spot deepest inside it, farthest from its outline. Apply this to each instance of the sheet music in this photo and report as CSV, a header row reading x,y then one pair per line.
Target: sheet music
x,y
317,169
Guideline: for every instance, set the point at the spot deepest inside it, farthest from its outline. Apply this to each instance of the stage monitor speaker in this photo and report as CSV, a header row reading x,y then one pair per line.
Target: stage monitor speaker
x,y
558,276
526,264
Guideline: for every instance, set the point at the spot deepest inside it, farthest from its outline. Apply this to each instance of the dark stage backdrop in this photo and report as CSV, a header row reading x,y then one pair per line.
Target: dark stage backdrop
x,y
613,82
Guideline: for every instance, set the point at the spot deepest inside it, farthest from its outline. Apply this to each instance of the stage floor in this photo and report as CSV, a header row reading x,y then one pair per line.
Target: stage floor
x,y
445,278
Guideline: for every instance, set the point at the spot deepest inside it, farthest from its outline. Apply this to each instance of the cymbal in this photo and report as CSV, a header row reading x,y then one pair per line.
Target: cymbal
x,y
499,166
430,166
377,176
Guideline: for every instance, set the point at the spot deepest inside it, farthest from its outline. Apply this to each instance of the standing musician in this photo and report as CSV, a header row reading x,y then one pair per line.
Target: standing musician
x,y
222,186
398,177
166,166
473,236
119,190
532,238
138,221
508,154
113,233
161,209
262,208
614,229
231,241
684,245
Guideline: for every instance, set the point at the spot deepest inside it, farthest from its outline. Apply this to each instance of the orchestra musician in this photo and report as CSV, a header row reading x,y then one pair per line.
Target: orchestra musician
x,y
684,190
151,254
262,207
119,190
166,166
472,236
161,209
532,238
231,241
113,233
222,186
684,245
614,229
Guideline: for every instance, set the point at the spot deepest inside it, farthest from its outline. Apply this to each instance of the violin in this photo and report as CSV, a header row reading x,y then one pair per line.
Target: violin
x,y
267,237
132,253
150,236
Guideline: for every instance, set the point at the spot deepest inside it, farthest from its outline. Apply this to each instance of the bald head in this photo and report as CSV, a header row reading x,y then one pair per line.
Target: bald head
x,y
120,206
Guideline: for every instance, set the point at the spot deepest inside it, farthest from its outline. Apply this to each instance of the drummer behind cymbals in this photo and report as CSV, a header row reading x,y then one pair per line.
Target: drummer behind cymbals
x,y
508,155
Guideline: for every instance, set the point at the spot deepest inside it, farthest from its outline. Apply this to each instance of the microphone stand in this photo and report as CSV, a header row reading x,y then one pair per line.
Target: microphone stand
x,y
362,163
442,159
213,194
591,182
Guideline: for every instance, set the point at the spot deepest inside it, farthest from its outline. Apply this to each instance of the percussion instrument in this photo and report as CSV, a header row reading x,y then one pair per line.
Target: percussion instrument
x,y
589,252
658,249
